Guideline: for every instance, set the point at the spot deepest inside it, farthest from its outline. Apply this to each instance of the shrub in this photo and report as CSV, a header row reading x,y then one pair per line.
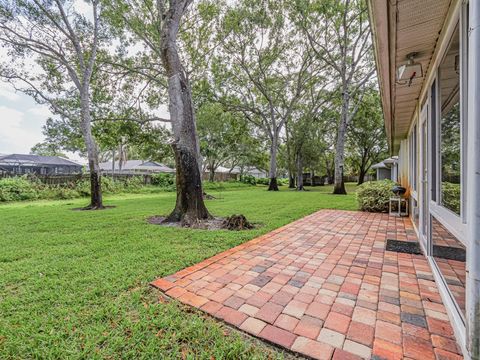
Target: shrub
x,y
451,196
64,193
108,186
263,181
374,196
83,187
282,182
266,181
163,180
134,183
248,179
18,188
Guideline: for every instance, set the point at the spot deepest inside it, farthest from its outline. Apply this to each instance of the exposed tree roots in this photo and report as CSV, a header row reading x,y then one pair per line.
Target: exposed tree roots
x,y
208,196
236,222
93,208
273,185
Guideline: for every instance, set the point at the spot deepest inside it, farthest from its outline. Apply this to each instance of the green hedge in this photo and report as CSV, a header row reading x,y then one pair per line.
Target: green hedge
x,y
163,180
16,189
29,188
374,196
248,179
266,181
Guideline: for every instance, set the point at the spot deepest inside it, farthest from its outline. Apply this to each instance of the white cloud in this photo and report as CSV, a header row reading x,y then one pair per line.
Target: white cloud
x,y
16,136
7,92
40,111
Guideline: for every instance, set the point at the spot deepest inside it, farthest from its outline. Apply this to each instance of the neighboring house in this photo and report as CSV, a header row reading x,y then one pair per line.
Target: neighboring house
x,y
20,164
428,64
387,169
135,167
224,170
221,174
251,170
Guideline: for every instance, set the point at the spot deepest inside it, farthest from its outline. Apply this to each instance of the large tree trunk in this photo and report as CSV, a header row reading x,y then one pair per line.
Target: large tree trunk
x,y
291,177
291,181
361,174
339,185
299,173
96,201
363,167
273,186
330,171
189,207
211,177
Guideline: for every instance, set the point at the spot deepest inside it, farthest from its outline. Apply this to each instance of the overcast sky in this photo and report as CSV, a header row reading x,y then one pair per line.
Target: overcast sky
x,y
21,121
21,118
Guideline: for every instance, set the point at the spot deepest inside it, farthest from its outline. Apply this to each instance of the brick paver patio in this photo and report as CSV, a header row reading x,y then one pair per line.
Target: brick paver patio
x,y
325,287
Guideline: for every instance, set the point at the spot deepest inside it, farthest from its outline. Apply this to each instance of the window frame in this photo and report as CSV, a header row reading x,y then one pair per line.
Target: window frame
x,y
454,223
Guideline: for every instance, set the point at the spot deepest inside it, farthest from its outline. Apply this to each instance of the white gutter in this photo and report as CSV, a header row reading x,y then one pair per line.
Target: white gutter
x,y
473,185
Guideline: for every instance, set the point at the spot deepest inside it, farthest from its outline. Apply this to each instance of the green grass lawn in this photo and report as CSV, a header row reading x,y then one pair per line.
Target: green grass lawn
x,y
74,284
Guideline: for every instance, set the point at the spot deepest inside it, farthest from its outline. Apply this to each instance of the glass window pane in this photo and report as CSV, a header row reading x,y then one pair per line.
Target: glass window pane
x,y
450,146
450,254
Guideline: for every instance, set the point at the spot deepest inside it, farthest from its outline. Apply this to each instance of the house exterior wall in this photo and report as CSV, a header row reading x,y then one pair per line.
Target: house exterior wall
x,y
422,203
421,171
383,174
403,165
42,170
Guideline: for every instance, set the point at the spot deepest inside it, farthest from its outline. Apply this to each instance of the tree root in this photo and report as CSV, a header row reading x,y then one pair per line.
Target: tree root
x,y
236,222
208,196
93,208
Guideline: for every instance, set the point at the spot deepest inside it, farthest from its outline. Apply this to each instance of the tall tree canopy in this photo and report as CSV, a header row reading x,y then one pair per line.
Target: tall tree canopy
x,y
366,139
52,52
339,34
262,67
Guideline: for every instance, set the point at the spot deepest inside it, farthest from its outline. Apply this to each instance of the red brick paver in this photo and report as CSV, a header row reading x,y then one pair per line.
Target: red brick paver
x,y
325,287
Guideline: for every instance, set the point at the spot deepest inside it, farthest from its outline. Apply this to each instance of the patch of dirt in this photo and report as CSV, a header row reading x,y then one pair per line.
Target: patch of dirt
x,y
234,222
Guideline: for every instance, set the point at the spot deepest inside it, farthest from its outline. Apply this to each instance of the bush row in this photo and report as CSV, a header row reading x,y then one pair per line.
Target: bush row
x,y
30,188
23,188
252,180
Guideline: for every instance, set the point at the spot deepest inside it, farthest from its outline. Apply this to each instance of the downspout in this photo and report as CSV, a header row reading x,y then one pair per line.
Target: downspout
x,y
473,184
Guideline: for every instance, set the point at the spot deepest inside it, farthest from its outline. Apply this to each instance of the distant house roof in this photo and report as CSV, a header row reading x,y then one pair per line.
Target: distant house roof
x,y
222,169
35,160
386,164
137,165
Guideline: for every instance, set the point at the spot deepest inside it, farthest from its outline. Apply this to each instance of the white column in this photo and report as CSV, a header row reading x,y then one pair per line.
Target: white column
x,y
473,184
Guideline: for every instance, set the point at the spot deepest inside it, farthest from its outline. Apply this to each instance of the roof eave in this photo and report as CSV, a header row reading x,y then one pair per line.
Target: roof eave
x,y
383,42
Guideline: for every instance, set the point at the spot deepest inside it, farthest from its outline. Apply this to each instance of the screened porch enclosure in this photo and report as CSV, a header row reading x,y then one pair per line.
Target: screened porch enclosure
x,y
433,126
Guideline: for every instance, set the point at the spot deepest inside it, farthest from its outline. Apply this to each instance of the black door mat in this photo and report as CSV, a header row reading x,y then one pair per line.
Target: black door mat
x,y
449,253
408,247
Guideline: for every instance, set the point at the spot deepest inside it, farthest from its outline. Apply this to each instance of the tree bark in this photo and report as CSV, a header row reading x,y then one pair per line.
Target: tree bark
x,y
299,173
189,207
291,181
96,200
291,177
361,177
339,185
211,177
273,186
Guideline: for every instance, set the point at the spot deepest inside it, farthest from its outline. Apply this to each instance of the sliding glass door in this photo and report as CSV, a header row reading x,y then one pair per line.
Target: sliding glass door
x,y
443,226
